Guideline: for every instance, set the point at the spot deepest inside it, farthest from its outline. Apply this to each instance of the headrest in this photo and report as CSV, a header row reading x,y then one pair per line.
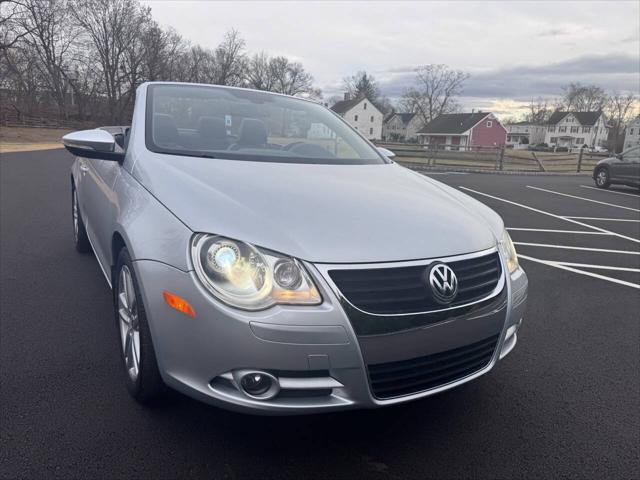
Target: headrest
x,y
253,133
164,129
212,128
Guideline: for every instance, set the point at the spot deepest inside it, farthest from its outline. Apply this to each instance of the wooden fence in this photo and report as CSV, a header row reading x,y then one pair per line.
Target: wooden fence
x,y
491,158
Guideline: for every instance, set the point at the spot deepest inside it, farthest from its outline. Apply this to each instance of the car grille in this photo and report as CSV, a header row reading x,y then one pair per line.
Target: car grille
x,y
405,377
395,290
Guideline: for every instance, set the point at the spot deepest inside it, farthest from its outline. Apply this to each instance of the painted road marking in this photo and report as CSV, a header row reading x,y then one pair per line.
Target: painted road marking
x,y
605,219
599,267
570,247
610,191
552,215
584,199
581,272
555,231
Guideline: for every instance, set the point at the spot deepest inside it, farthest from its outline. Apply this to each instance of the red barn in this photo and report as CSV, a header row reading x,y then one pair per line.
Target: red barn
x,y
454,130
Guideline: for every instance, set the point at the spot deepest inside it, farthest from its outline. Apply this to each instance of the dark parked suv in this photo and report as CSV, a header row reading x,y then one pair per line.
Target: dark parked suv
x,y
623,168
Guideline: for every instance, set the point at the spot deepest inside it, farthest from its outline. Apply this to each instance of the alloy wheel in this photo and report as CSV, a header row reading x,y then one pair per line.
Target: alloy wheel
x,y
128,320
602,177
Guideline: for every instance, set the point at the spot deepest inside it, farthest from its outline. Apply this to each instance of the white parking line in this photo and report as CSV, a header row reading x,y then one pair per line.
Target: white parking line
x,y
581,272
570,247
610,191
599,267
606,219
566,219
584,199
555,231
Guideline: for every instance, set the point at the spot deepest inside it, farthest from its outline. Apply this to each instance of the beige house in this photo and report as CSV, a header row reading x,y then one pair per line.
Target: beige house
x,y
401,127
362,115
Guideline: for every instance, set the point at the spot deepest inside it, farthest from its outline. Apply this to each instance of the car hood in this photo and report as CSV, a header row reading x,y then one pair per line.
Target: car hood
x,y
321,213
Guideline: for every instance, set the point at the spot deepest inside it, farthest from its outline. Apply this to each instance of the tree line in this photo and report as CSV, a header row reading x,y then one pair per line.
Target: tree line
x,y
83,59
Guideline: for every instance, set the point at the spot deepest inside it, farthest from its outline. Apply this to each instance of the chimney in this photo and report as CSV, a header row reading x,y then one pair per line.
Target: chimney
x,y
347,96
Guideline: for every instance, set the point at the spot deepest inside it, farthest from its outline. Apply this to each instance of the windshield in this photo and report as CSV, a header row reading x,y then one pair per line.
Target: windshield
x,y
229,123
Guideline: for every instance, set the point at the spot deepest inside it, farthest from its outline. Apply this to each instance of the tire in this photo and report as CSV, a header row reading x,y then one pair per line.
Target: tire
x,y
602,178
141,372
80,238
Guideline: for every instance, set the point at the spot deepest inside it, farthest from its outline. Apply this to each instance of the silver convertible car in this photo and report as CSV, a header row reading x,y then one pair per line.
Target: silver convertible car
x,y
267,258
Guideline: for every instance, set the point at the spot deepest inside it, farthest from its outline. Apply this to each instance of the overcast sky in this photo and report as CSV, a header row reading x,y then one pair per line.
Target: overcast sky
x,y
514,50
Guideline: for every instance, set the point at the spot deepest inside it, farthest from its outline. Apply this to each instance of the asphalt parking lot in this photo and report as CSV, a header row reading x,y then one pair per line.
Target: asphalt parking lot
x,y
564,403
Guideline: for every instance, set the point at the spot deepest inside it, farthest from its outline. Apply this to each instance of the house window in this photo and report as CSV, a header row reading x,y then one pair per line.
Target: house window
x,y
631,131
365,105
552,129
371,118
553,140
355,118
574,129
579,141
562,129
586,129
371,131
489,123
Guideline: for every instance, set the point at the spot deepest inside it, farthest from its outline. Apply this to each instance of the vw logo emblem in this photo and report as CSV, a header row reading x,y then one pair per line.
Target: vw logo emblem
x,y
443,283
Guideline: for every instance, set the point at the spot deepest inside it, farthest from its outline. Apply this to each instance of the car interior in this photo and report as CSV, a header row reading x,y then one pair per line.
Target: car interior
x,y
212,133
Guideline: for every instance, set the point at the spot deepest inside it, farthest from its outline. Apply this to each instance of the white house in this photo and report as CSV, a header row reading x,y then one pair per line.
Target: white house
x,y
401,127
523,134
632,133
575,129
362,115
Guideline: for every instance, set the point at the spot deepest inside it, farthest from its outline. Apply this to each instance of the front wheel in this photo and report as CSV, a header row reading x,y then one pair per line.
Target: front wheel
x,y
142,376
602,178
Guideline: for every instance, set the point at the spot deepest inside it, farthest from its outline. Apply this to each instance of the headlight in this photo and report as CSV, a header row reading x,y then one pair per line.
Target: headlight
x,y
247,277
509,251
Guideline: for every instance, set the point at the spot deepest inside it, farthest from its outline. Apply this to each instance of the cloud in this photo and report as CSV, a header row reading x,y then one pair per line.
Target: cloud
x,y
522,82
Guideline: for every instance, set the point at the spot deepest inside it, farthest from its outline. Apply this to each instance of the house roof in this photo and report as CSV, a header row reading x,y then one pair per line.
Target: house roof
x,y
345,105
405,117
585,118
453,122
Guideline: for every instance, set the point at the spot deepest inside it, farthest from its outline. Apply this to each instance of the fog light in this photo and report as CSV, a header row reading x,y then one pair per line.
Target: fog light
x,y
255,384
258,385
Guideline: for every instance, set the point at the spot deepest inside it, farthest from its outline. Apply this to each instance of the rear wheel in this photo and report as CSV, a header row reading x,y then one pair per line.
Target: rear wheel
x,y
80,237
142,376
602,178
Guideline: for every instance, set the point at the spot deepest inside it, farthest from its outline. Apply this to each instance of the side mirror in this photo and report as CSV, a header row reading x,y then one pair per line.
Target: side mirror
x,y
387,153
96,143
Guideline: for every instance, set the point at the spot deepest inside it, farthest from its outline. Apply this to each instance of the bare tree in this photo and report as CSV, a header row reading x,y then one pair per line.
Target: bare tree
x,y
291,78
258,73
278,74
539,111
229,60
21,80
619,110
435,91
362,85
92,54
51,37
583,98
112,26
12,14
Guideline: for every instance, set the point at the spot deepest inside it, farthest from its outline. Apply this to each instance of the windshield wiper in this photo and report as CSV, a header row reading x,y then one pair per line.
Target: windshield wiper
x,y
204,155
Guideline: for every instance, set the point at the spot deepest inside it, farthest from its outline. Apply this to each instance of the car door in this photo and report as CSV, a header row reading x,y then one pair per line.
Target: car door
x,y
630,166
99,204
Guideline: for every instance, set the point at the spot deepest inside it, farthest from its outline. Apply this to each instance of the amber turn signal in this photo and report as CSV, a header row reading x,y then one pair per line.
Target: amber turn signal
x,y
178,303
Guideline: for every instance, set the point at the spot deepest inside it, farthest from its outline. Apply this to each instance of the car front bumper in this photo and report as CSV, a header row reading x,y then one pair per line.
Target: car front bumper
x,y
304,347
